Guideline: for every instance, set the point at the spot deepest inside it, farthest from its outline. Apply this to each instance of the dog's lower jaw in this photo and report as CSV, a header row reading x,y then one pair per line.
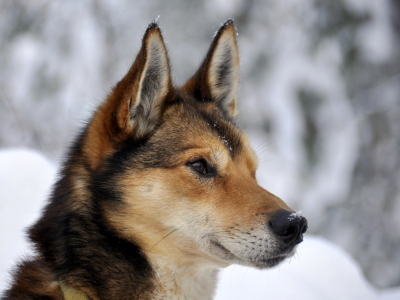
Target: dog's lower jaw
x,y
271,262
260,262
197,278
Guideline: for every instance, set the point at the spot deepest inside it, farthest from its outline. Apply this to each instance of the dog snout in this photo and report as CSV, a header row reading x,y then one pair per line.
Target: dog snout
x,y
289,227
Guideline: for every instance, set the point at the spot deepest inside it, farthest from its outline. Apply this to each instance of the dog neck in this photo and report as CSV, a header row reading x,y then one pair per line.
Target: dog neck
x,y
180,269
194,280
184,281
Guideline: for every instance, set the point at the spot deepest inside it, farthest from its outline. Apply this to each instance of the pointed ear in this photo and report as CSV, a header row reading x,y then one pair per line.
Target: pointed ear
x,y
136,104
139,99
143,92
217,79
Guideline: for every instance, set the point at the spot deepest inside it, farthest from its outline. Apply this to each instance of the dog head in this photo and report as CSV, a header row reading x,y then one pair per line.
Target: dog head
x,y
177,176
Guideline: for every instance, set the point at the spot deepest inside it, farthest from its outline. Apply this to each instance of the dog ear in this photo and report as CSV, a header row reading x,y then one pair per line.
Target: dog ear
x,y
217,79
136,104
143,91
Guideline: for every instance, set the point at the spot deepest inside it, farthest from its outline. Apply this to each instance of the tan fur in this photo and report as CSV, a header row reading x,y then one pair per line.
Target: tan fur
x,y
170,230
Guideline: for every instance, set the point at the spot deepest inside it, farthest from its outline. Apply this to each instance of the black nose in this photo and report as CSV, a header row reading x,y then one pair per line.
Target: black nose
x,y
289,226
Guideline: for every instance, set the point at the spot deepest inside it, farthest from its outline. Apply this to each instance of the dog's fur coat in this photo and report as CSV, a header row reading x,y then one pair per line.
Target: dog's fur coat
x,y
158,191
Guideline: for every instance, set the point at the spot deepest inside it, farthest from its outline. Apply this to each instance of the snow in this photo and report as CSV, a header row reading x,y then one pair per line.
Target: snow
x,y
295,215
319,270
25,180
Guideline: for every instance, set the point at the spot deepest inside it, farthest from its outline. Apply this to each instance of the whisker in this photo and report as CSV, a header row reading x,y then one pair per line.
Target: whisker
x,y
165,237
168,228
157,232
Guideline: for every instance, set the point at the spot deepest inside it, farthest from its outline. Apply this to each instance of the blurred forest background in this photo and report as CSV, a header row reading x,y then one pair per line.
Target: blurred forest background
x,y
319,96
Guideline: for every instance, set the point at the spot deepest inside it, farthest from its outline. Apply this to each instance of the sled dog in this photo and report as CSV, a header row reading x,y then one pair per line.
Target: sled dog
x,y
158,191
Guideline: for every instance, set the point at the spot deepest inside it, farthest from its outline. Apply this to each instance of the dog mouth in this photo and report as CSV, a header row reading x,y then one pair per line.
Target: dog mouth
x,y
221,250
261,262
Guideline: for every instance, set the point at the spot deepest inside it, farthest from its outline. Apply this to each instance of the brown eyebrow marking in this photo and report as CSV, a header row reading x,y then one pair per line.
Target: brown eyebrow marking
x,y
226,131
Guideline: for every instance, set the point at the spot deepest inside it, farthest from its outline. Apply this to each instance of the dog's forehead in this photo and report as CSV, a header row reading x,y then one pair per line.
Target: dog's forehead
x,y
195,124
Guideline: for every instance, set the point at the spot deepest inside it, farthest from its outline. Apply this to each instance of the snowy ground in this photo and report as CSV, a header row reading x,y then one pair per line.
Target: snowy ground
x,y
320,270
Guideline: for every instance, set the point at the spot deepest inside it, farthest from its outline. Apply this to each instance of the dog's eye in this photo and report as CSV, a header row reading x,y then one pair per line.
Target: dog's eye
x,y
201,167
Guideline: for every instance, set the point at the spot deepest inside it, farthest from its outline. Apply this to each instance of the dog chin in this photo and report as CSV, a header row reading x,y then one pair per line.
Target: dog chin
x,y
269,261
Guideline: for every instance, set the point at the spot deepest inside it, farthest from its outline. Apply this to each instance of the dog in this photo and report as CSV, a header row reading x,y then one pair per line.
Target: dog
x,y
158,191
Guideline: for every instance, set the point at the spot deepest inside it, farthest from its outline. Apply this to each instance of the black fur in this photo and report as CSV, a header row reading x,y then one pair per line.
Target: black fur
x,y
78,244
